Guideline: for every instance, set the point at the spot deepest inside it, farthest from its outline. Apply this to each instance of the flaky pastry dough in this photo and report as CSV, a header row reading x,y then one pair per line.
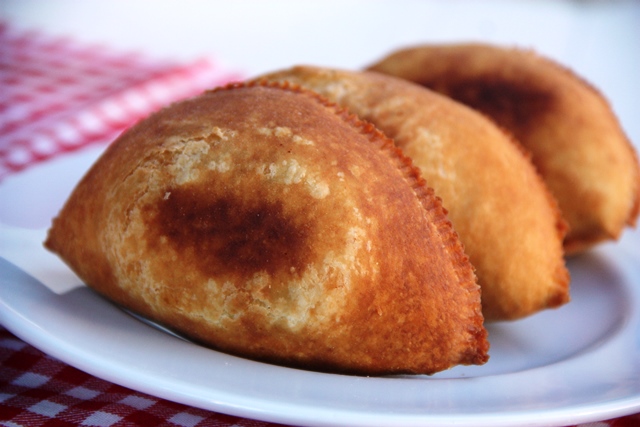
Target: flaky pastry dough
x,y
263,221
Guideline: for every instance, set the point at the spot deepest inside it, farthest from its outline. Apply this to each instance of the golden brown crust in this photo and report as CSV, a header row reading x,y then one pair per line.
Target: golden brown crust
x,y
576,141
505,217
265,222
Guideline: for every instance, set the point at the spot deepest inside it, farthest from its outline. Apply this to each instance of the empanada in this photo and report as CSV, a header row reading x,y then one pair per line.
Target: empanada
x,y
268,223
499,206
575,139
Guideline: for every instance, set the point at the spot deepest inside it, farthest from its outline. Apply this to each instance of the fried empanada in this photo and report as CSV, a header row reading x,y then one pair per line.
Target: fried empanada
x,y
499,206
266,222
575,139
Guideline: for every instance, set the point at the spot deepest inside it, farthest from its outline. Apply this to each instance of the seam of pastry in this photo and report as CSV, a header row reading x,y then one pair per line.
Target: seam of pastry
x,y
426,195
558,74
474,334
319,77
562,226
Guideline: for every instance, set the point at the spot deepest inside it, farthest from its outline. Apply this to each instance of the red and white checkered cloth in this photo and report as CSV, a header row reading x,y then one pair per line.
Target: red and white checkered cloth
x,y
56,96
37,390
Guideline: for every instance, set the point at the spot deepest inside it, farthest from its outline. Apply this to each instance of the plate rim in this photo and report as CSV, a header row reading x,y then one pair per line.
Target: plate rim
x,y
287,413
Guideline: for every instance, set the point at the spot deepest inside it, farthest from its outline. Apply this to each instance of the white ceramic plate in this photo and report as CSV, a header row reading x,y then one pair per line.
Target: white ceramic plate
x,y
576,364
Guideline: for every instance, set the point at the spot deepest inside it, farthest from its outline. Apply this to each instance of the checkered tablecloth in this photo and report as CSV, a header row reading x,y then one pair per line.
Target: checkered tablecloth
x,y
56,96
37,390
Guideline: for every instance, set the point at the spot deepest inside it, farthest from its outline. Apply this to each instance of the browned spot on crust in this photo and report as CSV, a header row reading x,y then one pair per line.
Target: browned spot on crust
x,y
227,235
511,105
